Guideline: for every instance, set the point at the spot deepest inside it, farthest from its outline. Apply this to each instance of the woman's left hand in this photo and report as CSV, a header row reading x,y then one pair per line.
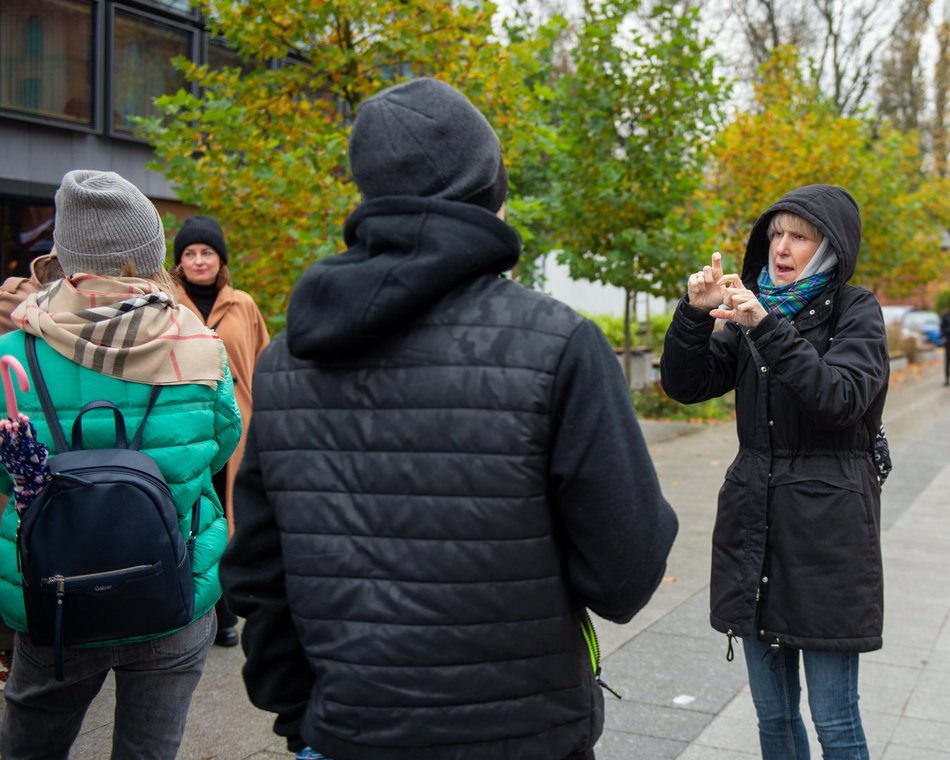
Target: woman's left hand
x,y
740,304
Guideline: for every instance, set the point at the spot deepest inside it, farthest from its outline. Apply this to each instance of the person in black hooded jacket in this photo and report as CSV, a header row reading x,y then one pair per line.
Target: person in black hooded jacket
x,y
945,340
442,474
796,560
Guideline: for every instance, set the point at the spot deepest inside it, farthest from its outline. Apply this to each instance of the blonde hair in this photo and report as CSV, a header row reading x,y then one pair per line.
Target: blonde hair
x,y
160,277
785,221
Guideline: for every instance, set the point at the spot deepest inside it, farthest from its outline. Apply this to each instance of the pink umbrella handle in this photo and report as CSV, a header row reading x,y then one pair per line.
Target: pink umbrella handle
x,y
8,362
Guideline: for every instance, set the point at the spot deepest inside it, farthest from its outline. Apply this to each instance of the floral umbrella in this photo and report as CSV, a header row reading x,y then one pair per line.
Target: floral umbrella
x,y
21,454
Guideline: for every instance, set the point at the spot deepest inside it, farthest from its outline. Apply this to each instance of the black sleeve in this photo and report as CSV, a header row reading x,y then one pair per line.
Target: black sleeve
x,y
618,527
697,363
276,674
835,389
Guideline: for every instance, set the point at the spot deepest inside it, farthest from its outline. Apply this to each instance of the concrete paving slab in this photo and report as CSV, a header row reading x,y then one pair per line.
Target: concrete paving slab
x,y
620,744
922,734
674,723
898,752
702,752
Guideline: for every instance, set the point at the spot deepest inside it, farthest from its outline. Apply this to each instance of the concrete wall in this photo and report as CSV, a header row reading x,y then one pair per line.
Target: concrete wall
x,y
34,158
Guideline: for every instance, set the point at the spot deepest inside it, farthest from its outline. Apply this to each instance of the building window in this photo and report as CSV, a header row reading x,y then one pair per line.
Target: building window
x,y
46,58
184,6
142,70
26,231
221,56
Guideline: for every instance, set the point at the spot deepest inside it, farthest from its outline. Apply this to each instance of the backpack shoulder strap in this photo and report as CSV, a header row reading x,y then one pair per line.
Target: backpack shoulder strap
x,y
41,391
152,398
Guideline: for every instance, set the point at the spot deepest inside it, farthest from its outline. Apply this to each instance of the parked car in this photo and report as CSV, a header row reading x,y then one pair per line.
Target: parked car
x,y
894,313
922,324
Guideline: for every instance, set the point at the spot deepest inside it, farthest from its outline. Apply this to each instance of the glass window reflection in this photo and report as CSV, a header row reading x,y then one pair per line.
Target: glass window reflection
x,y
46,58
142,67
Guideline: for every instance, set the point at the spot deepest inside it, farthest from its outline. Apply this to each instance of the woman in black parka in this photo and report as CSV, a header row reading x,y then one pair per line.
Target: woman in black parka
x,y
796,560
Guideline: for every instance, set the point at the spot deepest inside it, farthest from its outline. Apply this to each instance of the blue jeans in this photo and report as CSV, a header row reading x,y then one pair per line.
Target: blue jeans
x,y
154,683
832,696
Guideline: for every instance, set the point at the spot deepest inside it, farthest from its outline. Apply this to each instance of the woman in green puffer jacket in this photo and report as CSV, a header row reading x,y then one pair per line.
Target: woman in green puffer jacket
x,y
110,330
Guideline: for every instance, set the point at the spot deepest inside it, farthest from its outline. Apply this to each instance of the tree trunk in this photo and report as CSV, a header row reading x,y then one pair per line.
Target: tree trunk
x,y
629,295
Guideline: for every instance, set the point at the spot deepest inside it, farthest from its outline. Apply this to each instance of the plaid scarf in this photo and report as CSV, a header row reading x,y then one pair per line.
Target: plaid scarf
x,y
785,301
124,327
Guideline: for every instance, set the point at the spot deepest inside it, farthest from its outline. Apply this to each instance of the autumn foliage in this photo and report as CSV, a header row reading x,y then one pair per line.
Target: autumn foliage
x,y
263,147
619,153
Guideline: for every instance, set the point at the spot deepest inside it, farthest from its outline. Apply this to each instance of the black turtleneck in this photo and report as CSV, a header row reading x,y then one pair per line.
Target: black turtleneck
x,y
204,297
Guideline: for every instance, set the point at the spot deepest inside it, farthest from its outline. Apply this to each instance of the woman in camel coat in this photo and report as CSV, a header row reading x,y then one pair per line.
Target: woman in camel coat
x,y
204,286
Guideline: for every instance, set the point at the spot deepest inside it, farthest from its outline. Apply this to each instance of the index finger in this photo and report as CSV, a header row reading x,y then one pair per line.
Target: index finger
x,y
716,266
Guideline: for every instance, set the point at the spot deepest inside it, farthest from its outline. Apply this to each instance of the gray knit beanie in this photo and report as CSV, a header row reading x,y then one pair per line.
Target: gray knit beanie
x,y
103,223
425,138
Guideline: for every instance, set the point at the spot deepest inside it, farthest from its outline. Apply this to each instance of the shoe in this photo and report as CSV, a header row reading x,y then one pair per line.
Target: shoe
x,y
6,662
226,637
308,753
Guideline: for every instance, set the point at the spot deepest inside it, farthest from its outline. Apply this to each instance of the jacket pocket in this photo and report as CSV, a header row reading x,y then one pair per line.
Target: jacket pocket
x,y
823,555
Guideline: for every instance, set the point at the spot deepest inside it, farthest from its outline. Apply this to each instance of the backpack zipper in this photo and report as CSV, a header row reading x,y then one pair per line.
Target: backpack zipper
x,y
60,581
73,475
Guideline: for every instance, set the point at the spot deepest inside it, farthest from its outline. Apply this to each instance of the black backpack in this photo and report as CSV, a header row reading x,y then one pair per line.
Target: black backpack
x,y
100,550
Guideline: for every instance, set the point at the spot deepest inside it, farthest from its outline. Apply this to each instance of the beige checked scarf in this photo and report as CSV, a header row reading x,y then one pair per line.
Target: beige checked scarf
x,y
124,327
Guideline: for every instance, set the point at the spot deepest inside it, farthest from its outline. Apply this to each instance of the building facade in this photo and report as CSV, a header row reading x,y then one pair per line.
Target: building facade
x,y
73,76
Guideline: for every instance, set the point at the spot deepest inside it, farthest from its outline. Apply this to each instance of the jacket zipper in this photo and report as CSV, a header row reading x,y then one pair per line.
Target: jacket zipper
x,y
593,649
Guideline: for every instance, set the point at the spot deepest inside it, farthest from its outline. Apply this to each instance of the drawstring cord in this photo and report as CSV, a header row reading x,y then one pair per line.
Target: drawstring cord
x,y
730,652
775,649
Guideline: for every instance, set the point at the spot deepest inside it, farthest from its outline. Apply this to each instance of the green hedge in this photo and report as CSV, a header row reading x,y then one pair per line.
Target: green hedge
x,y
652,337
652,403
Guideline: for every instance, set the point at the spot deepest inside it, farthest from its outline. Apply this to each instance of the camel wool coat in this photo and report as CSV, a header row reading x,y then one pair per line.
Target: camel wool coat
x,y
236,318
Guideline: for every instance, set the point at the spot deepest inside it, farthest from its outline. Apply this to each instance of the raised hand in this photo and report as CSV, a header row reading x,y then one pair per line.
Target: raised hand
x,y
739,304
705,288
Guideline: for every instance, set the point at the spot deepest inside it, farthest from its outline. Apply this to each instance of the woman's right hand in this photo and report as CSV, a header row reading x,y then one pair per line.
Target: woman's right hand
x,y
703,287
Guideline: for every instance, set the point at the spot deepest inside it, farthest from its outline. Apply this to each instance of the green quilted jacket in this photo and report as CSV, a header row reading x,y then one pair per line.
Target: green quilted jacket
x,y
191,432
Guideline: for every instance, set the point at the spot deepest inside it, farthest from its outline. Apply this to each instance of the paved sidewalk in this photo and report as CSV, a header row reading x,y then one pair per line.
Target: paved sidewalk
x,y
681,697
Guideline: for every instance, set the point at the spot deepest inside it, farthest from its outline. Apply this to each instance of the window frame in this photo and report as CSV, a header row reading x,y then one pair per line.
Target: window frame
x,y
97,11
194,32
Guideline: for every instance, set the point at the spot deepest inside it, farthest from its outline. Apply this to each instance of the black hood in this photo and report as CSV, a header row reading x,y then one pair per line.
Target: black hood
x,y
830,208
404,253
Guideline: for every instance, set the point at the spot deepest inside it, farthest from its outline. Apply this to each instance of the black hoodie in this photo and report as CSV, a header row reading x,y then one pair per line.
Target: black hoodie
x,y
796,549
443,470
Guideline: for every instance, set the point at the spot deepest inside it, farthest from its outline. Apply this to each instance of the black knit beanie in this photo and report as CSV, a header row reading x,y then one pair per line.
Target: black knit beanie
x,y
425,138
201,229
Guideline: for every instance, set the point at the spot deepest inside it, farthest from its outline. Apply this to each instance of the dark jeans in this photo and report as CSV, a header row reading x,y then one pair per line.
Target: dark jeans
x,y
154,682
226,618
